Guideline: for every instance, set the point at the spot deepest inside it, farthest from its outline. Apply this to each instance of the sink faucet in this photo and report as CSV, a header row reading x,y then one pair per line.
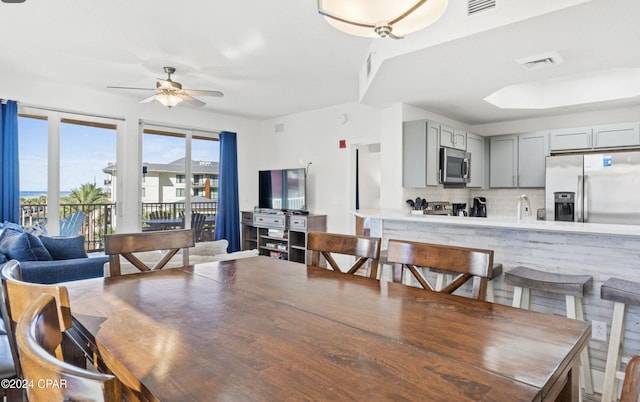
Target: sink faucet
x,y
524,207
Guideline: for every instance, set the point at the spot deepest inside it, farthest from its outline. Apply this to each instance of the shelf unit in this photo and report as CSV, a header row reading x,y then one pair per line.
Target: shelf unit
x,y
280,236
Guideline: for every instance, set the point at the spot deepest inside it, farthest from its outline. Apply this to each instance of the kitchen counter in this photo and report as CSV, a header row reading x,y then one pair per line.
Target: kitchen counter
x,y
599,250
530,223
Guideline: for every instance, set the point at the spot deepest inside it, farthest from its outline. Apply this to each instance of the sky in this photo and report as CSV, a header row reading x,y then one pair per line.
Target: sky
x,y
85,151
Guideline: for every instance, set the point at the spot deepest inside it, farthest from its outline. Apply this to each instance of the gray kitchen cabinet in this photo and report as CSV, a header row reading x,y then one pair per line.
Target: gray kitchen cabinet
x,y
518,160
605,136
475,146
566,139
453,138
503,161
616,135
532,150
420,153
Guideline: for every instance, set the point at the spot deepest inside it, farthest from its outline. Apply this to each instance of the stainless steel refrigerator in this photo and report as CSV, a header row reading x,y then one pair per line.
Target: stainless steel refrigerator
x,y
606,186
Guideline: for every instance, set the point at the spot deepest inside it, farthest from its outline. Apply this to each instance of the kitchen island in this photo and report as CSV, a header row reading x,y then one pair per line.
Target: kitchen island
x,y
599,250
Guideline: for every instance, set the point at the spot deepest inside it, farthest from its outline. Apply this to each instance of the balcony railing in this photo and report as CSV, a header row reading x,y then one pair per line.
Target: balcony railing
x,y
98,218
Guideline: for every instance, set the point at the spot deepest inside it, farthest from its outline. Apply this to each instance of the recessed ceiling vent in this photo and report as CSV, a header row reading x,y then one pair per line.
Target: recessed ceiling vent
x,y
477,6
543,60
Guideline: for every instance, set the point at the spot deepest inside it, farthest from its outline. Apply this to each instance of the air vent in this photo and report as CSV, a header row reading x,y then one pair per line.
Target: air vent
x,y
543,60
477,6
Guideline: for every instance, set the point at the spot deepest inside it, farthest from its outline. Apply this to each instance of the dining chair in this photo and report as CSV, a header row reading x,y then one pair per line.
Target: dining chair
x,y
464,263
126,244
631,384
18,295
365,248
39,337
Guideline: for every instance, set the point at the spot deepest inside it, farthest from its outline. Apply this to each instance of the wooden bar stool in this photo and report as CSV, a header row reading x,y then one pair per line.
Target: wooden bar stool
x,y
622,293
573,287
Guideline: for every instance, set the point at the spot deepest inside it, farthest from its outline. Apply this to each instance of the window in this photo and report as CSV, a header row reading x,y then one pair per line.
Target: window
x,y
77,177
179,178
180,192
33,150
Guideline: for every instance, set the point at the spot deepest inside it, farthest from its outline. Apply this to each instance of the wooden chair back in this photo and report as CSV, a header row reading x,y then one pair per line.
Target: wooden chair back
x,y
126,244
39,336
465,263
19,295
631,384
365,248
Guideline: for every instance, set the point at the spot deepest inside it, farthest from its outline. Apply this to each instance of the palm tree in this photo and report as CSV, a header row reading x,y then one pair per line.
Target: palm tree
x,y
89,197
88,193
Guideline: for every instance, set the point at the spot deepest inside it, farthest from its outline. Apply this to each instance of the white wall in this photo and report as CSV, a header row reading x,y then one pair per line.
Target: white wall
x,y
314,137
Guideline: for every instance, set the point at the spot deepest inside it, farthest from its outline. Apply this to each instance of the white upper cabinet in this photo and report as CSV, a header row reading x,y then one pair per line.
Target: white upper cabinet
x,y
605,136
475,146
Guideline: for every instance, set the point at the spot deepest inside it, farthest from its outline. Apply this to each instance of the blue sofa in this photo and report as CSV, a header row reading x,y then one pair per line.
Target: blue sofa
x,y
48,272
49,260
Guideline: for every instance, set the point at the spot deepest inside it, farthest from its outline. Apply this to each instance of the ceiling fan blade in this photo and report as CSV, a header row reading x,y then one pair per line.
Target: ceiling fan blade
x,y
190,99
149,99
134,88
202,92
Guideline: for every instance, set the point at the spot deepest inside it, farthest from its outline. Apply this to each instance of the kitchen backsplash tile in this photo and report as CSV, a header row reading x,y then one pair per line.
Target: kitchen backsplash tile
x,y
501,203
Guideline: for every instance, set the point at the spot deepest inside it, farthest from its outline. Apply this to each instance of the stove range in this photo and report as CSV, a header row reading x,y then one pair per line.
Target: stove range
x,y
439,208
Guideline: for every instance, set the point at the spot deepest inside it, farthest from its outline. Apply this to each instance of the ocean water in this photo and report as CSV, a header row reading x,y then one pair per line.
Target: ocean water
x,y
38,193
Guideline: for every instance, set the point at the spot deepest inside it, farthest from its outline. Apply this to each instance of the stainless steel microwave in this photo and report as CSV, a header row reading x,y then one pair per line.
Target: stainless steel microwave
x,y
455,166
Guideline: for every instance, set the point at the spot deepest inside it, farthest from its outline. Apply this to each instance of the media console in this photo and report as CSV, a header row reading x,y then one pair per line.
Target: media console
x,y
280,235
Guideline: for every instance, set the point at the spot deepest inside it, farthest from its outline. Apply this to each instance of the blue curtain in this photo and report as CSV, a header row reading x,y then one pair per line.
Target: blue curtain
x,y
228,214
9,178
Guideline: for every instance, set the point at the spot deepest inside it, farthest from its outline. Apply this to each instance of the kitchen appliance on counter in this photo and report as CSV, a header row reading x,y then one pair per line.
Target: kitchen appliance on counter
x,y
454,167
605,187
479,207
459,209
438,208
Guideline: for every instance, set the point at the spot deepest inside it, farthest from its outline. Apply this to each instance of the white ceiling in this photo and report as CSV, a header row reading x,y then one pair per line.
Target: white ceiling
x,y
273,58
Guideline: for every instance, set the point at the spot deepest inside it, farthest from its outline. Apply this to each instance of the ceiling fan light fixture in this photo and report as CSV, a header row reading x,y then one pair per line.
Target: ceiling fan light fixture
x,y
168,99
381,18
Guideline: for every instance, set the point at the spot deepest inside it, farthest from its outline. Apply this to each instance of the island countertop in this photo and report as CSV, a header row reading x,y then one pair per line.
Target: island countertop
x,y
529,224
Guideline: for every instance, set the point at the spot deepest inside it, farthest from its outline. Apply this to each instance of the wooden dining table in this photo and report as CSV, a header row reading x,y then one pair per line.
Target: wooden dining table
x,y
272,330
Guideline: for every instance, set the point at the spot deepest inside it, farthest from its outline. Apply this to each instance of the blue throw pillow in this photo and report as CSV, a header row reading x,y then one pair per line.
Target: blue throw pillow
x,y
64,247
3,258
22,246
13,226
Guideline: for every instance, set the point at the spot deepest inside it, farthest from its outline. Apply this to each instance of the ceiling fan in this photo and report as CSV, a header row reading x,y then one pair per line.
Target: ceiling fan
x,y
169,93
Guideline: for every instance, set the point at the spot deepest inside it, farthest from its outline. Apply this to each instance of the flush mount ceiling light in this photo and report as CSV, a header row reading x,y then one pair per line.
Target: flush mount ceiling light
x,y
381,18
599,86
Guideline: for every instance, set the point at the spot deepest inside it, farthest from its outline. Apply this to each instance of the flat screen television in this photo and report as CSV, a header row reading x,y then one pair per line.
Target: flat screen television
x,y
283,189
